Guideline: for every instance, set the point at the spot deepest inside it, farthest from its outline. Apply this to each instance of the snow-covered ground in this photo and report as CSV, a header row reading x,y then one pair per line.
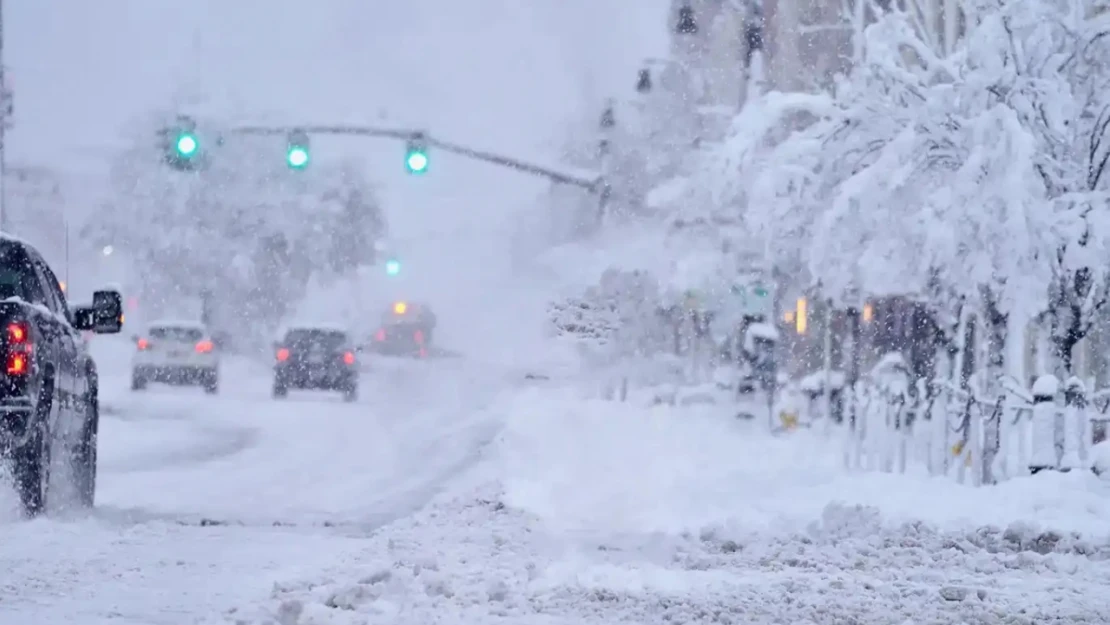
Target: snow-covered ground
x,y
203,501
595,512
459,494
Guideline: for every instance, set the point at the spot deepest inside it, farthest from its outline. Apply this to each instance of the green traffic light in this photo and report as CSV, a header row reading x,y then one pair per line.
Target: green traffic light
x,y
393,267
186,145
417,162
297,157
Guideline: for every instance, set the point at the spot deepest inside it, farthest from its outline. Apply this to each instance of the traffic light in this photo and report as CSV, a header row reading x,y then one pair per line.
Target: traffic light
x,y
416,154
687,24
296,153
186,145
181,144
393,266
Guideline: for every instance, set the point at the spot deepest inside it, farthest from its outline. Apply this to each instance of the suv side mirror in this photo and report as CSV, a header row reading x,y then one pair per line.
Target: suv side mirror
x,y
105,316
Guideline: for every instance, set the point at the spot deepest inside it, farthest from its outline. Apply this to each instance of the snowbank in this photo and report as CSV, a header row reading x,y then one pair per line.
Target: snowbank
x,y
596,512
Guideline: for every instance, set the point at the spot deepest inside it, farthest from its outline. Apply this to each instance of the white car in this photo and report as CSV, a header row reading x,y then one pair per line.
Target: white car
x,y
178,353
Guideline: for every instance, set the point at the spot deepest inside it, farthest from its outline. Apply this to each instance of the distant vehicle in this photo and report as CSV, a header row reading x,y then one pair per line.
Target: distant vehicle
x,y
180,353
49,402
405,330
315,358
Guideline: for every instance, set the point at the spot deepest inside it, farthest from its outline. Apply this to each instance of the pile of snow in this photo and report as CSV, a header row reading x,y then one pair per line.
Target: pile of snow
x,y
599,512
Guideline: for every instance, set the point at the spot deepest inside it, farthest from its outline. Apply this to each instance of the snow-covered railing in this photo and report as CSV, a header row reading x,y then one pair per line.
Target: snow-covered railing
x,y
954,432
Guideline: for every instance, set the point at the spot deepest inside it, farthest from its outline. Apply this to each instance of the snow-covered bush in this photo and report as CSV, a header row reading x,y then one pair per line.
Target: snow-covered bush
x,y
244,231
617,318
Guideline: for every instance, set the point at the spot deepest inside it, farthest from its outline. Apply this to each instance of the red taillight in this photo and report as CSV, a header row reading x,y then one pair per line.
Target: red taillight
x,y
204,347
142,344
379,336
349,358
17,333
418,336
19,348
282,354
17,364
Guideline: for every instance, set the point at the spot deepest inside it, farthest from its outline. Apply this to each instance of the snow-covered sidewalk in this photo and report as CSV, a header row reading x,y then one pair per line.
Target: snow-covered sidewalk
x,y
595,512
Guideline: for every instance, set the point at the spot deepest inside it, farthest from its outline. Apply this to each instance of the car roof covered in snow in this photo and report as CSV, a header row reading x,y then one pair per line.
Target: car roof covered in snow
x,y
177,323
308,327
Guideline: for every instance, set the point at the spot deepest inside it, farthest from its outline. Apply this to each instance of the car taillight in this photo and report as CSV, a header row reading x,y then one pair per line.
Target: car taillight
x,y
19,348
418,336
204,347
349,358
142,344
282,354
379,336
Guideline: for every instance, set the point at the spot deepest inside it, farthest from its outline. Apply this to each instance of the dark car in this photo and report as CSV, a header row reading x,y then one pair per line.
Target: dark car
x,y
405,330
49,407
317,359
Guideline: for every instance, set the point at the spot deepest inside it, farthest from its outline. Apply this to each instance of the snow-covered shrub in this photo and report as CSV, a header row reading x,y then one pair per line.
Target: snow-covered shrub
x,y
616,317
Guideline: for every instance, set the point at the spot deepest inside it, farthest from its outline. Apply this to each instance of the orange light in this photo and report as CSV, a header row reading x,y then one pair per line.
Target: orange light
x,y
62,286
17,333
17,364
283,354
801,316
400,308
349,358
204,347
868,312
143,344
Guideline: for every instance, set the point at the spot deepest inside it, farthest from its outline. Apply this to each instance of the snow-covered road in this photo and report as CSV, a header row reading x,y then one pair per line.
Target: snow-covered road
x,y
204,501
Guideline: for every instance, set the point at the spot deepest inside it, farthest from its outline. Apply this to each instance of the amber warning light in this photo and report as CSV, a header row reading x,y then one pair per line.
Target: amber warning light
x,y
400,308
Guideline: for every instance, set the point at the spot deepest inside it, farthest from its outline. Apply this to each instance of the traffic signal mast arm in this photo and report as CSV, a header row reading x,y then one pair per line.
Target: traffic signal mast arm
x,y
580,179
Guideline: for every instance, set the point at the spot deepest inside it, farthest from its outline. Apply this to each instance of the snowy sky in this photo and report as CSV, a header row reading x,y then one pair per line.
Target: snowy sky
x,y
501,75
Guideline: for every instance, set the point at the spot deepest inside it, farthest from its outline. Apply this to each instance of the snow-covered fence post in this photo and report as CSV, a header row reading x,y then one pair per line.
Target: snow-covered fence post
x,y
826,365
1043,425
992,441
1076,425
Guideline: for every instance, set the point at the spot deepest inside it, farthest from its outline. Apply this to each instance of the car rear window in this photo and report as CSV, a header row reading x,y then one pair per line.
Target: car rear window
x,y
17,275
181,335
330,339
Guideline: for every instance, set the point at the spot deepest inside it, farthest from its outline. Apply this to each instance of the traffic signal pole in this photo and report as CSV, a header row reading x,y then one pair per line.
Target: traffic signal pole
x,y
581,179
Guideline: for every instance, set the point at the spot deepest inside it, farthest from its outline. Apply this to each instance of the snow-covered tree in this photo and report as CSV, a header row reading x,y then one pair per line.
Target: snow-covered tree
x,y
243,230
976,177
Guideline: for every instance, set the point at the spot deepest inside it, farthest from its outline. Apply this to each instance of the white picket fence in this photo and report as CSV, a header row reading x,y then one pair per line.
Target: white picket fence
x,y
951,432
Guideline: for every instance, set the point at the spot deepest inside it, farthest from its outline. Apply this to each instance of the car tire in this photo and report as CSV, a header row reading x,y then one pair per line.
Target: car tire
x,y
211,382
138,380
84,457
31,460
350,393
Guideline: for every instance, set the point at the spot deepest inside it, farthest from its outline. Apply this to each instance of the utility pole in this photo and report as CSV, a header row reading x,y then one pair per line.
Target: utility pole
x,y
5,114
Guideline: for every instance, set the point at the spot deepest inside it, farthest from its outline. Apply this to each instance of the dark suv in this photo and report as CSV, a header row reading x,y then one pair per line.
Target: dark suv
x,y
316,358
49,409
